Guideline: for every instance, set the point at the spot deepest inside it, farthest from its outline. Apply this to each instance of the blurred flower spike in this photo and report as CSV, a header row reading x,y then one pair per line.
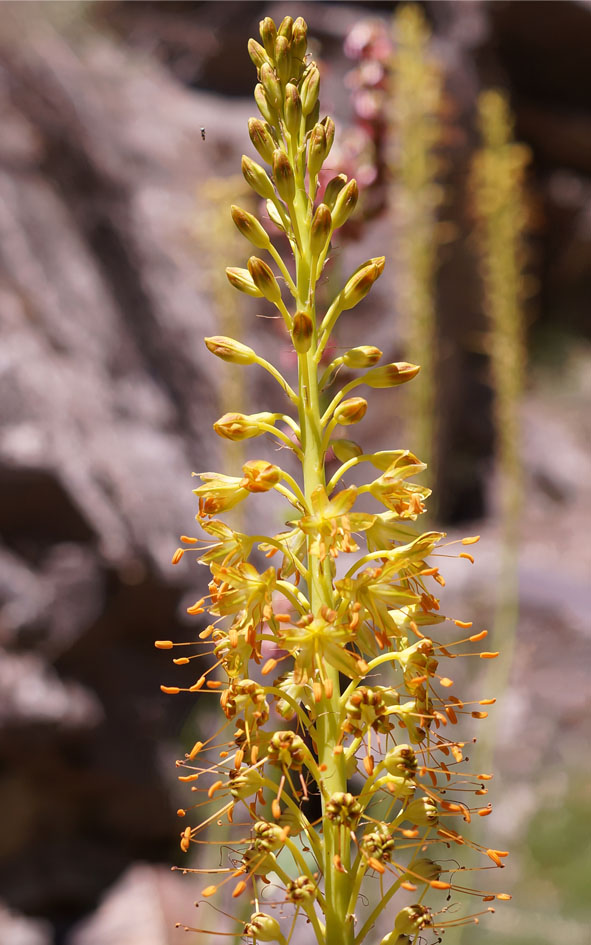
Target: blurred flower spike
x,y
336,768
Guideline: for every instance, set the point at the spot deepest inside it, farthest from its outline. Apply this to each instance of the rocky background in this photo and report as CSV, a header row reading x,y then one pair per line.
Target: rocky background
x,y
106,405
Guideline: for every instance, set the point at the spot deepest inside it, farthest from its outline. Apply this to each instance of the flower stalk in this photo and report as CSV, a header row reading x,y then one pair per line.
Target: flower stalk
x,y
336,763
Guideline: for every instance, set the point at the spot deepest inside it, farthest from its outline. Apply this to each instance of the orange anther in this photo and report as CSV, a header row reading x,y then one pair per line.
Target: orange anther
x,y
464,624
268,667
446,681
188,541
439,884
196,608
214,787
170,690
188,777
276,809
178,555
471,540
368,764
504,896
479,715
409,886
376,865
209,891
464,554
181,660
488,656
484,811
487,702
163,644
213,684
238,889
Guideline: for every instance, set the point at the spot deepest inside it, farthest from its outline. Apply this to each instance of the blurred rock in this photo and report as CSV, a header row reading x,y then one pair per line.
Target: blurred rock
x,y
17,930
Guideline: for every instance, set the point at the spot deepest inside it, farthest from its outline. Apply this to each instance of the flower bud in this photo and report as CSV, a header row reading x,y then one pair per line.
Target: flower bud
x,y
300,890
316,149
264,105
423,869
256,177
272,86
240,426
230,350
350,411
283,59
299,39
268,32
345,449
283,174
345,203
422,812
302,331
401,761
309,89
286,28
362,356
412,919
263,927
321,230
333,189
260,476
264,280
262,138
313,118
250,227
330,131
293,109
391,375
242,280
257,53
361,282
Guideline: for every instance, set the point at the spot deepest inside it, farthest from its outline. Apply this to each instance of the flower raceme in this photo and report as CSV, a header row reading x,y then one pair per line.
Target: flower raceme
x,y
336,766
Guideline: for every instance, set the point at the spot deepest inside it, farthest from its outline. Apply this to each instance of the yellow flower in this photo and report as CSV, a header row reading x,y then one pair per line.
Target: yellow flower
x,y
331,522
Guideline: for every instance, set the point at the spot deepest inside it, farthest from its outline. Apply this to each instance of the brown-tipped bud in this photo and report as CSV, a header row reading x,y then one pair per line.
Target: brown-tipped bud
x,y
345,449
310,89
360,283
242,280
330,130
272,86
422,812
362,356
240,426
286,28
345,203
293,109
250,227
333,189
391,375
350,411
262,139
268,33
264,105
228,349
316,149
264,280
263,927
284,177
283,59
320,230
412,919
299,40
257,53
257,178
259,476
302,331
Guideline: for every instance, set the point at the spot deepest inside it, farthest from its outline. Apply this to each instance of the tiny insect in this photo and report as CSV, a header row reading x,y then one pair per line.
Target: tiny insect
x,y
203,134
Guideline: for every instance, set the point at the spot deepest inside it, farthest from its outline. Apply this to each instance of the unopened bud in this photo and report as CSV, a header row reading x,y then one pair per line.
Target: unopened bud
x,y
345,203
257,178
230,350
242,280
313,118
264,105
257,53
250,227
316,149
263,927
396,938
320,230
309,90
240,426
264,280
330,132
333,189
391,375
293,109
422,812
361,282
299,39
272,86
286,28
283,59
361,357
260,476
262,138
345,449
423,869
268,32
302,331
401,761
350,411
284,177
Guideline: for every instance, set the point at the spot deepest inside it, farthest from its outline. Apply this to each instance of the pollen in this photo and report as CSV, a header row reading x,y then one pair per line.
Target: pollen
x,y
178,555
170,690
163,644
489,656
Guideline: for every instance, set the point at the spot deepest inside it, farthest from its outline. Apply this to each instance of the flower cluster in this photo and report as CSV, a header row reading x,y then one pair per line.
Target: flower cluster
x,y
337,767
